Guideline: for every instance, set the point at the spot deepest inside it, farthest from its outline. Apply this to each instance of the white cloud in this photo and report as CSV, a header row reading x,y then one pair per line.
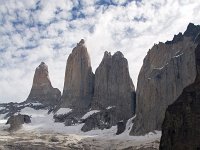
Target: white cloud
x,y
45,30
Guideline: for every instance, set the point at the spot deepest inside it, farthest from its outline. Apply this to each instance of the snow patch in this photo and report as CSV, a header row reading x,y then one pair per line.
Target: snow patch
x,y
176,56
109,107
62,111
36,104
90,113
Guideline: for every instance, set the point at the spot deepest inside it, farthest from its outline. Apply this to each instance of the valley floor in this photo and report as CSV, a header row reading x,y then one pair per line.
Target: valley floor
x,y
25,140
44,134
38,141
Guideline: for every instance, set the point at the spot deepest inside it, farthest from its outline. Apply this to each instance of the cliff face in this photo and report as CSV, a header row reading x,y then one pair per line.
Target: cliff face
x,y
167,69
114,87
78,86
42,90
180,129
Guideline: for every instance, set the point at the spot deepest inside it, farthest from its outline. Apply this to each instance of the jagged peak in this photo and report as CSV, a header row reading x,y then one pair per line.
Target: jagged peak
x,y
80,48
42,66
118,54
176,38
107,55
42,63
192,30
81,43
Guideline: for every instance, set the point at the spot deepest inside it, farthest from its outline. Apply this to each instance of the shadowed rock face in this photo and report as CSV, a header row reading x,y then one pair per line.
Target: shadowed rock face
x,y
180,129
78,86
42,90
114,87
104,119
167,69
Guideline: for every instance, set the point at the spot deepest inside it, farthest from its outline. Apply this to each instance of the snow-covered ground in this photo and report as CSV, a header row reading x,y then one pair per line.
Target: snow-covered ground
x,y
43,123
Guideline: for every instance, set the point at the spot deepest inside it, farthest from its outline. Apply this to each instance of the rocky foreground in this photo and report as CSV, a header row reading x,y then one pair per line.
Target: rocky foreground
x,y
37,141
43,133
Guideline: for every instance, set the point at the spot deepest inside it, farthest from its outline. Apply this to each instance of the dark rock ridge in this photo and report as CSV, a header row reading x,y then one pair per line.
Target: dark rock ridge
x,y
192,31
167,69
79,78
180,129
42,90
113,86
103,119
121,126
10,109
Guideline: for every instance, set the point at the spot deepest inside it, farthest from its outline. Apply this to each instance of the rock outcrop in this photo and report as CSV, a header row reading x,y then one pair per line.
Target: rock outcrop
x,y
180,129
121,127
103,119
16,121
42,90
114,87
79,78
167,69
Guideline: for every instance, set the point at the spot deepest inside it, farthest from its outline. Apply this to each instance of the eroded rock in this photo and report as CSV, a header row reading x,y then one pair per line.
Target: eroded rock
x,y
42,91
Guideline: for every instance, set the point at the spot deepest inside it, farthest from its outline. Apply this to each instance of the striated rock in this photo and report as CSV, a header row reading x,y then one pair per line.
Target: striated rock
x,y
78,86
42,90
180,129
114,87
167,69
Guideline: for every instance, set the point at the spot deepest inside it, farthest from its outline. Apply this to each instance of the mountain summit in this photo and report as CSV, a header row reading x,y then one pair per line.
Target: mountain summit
x,y
42,91
79,78
114,86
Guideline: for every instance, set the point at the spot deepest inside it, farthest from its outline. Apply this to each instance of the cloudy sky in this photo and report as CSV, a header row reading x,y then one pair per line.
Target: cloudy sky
x,y
32,31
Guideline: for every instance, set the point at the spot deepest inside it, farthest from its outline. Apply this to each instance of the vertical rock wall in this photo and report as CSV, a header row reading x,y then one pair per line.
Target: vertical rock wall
x,y
79,78
180,129
113,86
167,69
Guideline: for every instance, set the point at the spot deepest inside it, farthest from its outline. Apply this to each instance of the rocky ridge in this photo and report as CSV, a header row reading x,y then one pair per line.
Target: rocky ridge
x,y
167,69
180,129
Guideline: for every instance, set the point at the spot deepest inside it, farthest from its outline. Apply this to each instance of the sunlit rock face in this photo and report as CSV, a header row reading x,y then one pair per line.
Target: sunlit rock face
x,y
42,90
167,69
79,79
113,86
180,129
